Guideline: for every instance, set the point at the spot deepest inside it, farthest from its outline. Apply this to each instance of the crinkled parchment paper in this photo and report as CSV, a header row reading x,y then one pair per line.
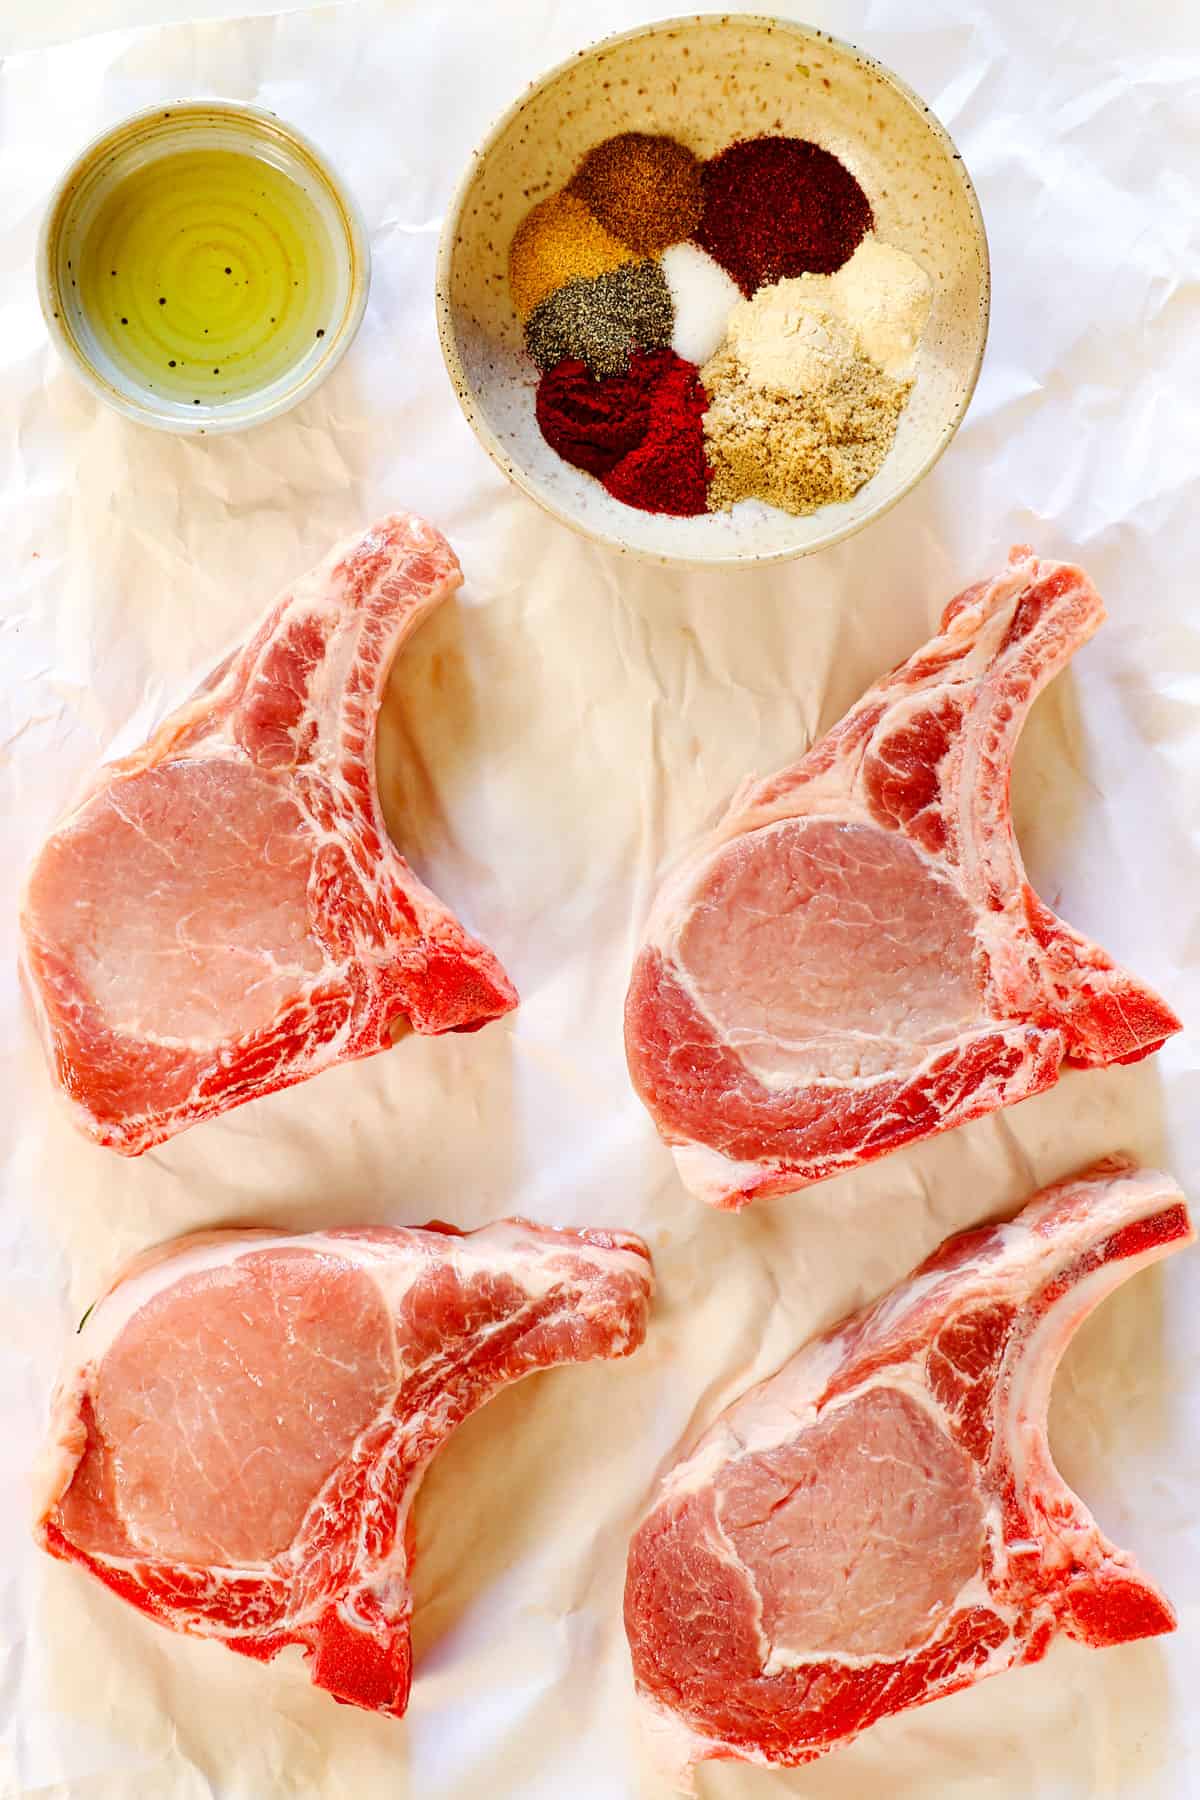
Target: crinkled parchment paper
x,y
550,737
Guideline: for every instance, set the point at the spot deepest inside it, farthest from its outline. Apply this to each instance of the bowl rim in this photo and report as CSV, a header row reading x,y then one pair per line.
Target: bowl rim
x,y
453,361
248,412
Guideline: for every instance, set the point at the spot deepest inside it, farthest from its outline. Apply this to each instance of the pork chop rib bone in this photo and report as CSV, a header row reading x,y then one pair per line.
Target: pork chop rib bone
x,y
854,959
224,913
241,1430
881,1522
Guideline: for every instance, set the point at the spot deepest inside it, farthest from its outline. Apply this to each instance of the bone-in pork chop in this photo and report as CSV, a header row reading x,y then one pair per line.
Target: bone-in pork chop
x,y
854,959
224,914
245,1419
881,1523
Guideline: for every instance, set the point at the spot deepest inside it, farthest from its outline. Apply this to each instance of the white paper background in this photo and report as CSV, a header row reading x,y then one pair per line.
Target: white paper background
x,y
550,737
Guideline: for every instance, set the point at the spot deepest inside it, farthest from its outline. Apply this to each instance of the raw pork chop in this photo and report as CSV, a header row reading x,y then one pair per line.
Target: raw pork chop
x,y
224,913
854,959
881,1523
239,1437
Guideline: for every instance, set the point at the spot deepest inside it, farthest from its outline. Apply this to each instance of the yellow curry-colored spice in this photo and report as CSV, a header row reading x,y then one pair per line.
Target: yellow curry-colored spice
x,y
560,240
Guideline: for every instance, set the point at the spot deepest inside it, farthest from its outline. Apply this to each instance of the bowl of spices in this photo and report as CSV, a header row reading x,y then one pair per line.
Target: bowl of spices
x,y
202,267
715,290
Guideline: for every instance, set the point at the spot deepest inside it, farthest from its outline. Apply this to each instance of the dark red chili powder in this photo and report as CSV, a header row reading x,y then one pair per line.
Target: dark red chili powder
x,y
780,206
640,432
594,423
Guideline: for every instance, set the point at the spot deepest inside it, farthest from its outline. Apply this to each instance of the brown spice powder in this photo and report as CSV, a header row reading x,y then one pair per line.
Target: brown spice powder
x,y
560,240
644,187
797,451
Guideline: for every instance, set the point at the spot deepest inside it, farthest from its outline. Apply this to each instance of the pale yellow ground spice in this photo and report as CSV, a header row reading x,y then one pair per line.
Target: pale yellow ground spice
x,y
560,240
797,451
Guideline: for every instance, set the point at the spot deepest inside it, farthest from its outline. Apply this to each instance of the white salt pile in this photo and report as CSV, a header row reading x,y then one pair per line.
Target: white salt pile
x,y
703,297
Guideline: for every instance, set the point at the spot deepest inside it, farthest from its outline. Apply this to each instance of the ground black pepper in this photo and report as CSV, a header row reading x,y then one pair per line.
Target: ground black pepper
x,y
602,320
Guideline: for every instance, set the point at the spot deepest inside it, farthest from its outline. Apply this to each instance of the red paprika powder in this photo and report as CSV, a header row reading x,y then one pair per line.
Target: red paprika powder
x,y
641,433
780,206
668,472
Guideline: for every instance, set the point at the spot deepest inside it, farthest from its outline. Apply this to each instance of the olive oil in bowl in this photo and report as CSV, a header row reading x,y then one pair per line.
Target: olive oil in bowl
x,y
205,276
206,268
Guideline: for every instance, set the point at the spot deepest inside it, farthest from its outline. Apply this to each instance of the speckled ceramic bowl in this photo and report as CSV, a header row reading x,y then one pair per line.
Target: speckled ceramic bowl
x,y
709,80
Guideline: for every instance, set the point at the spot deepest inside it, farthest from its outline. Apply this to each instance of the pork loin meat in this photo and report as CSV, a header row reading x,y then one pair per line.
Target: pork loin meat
x,y
881,1522
853,959
241,1430
223,913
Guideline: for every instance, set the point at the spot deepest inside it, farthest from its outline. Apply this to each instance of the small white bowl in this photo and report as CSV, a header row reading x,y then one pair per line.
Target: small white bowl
x,y
708,80
129,146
